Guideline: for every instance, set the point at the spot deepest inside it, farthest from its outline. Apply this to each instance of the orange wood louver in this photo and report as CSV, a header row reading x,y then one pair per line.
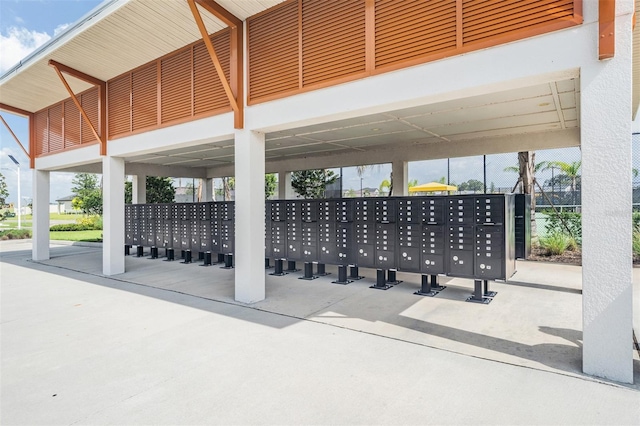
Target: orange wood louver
x,y
119,105
72,121
89,101
176,86
209,94
144,97
274,51
41,126
333,39
56,142
410,29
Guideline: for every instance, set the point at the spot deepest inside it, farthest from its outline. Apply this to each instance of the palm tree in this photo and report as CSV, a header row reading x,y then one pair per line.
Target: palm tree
x,y
572,171
385,184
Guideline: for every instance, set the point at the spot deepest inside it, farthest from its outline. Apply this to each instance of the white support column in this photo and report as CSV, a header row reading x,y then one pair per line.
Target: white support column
x,y
41,190
113,215
400,170
250,227
207,189
605,125
139,189
285,190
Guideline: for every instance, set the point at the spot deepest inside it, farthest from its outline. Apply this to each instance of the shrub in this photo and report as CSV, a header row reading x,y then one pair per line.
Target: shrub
x,y
636,240
91,222
71,227
573,221
15,234
555,243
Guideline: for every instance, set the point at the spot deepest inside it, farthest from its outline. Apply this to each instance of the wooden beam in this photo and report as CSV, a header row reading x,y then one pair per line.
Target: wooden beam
x,y
15,110
607,29
102,113
237,80
221,13
15,137
75,73
213,56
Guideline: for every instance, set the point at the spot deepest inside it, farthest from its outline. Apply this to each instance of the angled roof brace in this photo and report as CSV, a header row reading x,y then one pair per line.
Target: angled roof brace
x,y
234,91
102,104
29,116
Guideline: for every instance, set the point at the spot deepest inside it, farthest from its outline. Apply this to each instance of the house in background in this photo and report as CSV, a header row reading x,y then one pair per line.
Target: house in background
x,y
65,206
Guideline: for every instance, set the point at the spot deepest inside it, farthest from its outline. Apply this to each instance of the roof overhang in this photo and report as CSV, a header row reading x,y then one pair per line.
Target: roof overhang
x,y
115,37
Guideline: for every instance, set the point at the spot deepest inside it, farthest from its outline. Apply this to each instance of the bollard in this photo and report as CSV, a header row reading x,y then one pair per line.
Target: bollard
x,y
140,251
308,272
321,270
354,273
342,276
220,258
228,261
278,268
170,254
207,258
267,265
478,293
154,252
291,266
187,257
392,277
381,281
127,247
200,255
426,289
434,284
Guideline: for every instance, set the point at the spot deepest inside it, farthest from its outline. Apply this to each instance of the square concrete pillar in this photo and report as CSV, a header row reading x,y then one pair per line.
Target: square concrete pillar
x,y
41,191
605,126
139,189
400,172
113,215
207,189
250,226
285,190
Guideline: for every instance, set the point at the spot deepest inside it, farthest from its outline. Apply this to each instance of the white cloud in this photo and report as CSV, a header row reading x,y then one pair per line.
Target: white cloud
x,y
60,28
17,43
19,20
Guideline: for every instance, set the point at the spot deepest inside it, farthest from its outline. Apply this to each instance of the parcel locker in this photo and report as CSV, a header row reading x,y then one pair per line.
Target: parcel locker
x,y
327,211
409,242
328,242
150,232
365,239
203,211
433,243
460,251
267,228
226,210
461,210
433,210
128,225
159,232
175,234
204,234
164,211
365,255
214,231
345,243
309,211
213,210
293,211
183,213
344,210
490,252
294,237
409,210
385,254
364,210
278,211
163,238
278,239
192,211
146,211
185,234
385,210
310,241
490,209
174,211
157,211
522,222
227,236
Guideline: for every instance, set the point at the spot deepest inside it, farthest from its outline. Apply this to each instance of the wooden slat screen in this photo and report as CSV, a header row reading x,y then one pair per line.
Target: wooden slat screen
x,y
316,43
56,142
483,19
89,101
42,131
71,124
119,105
274,52
176,86
209,94
333,39
144,96
405,30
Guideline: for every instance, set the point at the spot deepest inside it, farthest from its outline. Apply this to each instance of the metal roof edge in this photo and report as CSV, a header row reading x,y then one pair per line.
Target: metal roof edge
x,y
94,16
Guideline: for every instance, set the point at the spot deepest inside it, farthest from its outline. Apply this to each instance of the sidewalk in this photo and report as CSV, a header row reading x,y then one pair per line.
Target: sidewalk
x,y
165,343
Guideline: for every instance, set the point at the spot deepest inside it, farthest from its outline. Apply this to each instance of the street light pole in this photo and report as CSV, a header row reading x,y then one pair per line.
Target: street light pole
x,y
19,195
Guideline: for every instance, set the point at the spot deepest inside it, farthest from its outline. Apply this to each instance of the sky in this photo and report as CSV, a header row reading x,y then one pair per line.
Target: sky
x,y
27,24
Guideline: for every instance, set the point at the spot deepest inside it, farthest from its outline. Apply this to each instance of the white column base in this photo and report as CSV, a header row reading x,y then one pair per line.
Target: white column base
x,y
139,189
400,172
113,215
41,191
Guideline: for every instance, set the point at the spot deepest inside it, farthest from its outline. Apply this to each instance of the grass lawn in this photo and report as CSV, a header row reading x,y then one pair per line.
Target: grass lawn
x,y
90,236
12,223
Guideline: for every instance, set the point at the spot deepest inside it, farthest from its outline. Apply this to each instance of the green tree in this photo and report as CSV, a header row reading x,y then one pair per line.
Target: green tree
x,y
4,192
88,197
385,184
471,185
269,185
159,190
412,183
572,171
312,183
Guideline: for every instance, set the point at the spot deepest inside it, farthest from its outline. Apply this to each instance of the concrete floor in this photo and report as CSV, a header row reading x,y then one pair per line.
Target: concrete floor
x,y
166,343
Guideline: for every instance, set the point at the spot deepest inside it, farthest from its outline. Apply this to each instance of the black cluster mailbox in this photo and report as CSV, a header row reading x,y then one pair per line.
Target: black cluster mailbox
x,y
470,236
